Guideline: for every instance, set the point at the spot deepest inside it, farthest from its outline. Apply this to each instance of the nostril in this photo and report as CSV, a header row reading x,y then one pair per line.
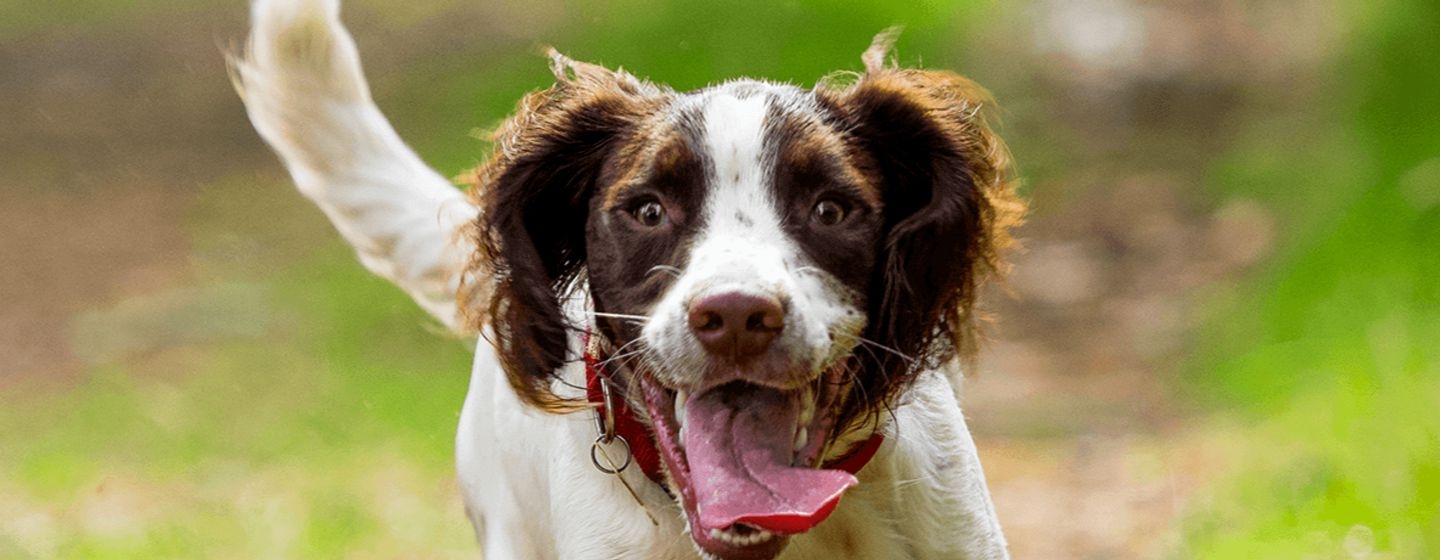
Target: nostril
x,y
764,321
735,324
706,321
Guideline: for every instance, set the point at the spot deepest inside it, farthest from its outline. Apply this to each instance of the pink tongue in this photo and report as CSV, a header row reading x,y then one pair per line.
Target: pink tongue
x,y
738,443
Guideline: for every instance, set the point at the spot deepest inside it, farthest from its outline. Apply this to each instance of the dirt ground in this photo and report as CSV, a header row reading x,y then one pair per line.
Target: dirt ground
x,y
1089,451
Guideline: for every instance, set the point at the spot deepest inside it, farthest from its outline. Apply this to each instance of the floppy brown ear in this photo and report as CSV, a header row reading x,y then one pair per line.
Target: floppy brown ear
x,y
534,194
949,205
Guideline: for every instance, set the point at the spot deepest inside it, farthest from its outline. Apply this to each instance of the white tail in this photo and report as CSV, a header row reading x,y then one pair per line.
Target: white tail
x,y
301,82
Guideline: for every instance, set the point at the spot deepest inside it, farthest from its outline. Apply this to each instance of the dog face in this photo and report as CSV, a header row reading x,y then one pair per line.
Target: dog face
x,y
769,266
747,242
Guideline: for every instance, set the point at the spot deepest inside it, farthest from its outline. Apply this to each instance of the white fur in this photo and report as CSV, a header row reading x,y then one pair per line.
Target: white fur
x,y
529,487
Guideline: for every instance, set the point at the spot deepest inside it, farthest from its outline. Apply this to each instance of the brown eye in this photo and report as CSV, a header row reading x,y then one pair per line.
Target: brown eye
x,y
828,213
650,214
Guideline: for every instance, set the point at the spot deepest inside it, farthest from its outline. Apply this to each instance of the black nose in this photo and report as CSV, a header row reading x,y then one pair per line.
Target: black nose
x,y
736,325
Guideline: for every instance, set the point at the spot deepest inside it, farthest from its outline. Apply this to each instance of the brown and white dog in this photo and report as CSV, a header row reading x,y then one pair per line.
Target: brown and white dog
x,y
760,277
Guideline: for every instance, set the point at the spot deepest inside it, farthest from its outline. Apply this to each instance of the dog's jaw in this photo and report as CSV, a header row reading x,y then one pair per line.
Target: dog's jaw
x,y
699,466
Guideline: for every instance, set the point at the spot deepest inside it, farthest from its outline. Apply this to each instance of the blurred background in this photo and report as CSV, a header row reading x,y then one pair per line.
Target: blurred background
x,y
1220,341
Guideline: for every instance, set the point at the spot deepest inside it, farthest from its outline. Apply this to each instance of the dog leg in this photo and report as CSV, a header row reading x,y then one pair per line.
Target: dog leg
x,y
301,82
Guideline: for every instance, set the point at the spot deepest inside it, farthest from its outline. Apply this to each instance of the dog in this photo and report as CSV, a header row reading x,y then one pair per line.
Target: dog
x,y
725,323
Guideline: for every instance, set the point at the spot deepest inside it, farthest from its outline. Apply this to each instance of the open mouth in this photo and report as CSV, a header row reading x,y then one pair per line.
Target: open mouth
x,y
745,460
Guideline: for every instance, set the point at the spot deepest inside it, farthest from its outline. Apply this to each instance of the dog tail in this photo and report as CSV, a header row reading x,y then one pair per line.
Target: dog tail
x,y
302,86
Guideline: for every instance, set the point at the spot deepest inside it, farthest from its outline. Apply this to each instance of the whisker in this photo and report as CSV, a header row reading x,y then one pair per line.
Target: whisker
x,y
664,268
621,349
618,358
870,343
618,362
641,318
871,351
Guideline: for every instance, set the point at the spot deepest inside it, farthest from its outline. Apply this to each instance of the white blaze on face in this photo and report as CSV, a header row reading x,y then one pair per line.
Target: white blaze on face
x,y
743,247
740,203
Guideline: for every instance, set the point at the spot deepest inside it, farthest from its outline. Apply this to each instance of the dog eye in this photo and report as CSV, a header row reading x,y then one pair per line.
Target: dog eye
x,y
828,212
649,214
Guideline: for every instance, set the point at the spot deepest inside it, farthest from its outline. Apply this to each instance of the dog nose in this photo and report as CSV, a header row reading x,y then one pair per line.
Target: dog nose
x,y
736,325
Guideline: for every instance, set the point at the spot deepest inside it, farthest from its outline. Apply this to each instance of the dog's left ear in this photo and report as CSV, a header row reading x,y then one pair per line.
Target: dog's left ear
x,y
534,194
949,200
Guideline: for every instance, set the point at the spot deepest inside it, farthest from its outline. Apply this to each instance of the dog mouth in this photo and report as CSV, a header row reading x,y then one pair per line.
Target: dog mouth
x,y
744,460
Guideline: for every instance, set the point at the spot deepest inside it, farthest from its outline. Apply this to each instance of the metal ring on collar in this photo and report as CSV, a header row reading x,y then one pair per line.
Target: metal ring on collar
x,y
598,444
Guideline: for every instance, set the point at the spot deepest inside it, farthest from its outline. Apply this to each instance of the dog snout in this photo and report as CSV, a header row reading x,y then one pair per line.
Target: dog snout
x,y
736,325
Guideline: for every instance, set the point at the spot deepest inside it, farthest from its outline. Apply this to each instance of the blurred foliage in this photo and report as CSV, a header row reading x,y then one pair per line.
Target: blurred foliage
x,y
1331,352
792,41
21,16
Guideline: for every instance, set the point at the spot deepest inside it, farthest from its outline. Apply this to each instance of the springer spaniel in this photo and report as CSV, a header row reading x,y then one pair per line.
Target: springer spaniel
x,y
706,315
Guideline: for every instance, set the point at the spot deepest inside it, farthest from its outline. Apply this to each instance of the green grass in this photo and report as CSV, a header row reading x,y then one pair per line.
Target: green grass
x,y
326,436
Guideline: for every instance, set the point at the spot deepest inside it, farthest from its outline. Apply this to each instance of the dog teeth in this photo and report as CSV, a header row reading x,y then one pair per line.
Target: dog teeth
x,y
733,539
807,413
680,415
807,407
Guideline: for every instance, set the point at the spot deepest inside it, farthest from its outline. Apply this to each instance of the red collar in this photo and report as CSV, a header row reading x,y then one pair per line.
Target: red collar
x,y
642,445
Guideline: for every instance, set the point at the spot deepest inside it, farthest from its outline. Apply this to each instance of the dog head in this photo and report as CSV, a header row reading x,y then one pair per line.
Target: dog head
x,y
769,266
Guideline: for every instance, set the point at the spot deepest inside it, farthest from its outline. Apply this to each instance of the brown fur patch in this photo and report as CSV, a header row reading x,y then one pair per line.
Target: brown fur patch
x,y
815,147
646,155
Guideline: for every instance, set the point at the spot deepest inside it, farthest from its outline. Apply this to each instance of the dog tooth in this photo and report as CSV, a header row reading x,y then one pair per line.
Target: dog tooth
x,y
680,398
802,437
732,538
807,407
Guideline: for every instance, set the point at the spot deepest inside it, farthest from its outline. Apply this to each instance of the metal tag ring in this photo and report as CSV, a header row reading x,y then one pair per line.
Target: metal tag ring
x,y
599,441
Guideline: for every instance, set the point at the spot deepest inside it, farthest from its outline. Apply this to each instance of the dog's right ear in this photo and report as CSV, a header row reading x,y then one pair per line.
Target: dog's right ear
x,y
533,196
950,204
